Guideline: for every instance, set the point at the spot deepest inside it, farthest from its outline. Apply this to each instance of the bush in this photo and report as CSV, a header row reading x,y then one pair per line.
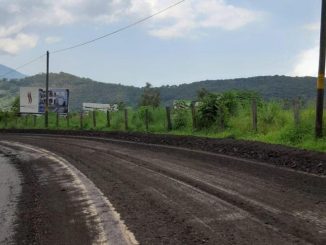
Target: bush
x,y
269,112
117,121
216,109
180,118
295,135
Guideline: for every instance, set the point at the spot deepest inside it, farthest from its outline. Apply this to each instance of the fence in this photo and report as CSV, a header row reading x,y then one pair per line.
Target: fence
x,y
254,118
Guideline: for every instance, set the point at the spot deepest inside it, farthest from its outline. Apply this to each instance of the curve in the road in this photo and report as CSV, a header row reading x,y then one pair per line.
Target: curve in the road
x,y
177,196
110,228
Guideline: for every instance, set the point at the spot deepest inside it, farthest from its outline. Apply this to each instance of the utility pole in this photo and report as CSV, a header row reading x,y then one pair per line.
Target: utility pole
x,y
321,74
47,91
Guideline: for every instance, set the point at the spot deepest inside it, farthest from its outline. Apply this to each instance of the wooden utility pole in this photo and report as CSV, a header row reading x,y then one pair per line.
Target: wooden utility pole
x,y
321,74
46,122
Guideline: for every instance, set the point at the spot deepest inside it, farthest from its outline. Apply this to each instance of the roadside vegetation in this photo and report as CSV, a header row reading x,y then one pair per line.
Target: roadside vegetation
x,y
218,115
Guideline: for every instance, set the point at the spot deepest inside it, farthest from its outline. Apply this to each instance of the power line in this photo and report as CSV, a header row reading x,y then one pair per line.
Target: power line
x,y
21,66
118,30
97,38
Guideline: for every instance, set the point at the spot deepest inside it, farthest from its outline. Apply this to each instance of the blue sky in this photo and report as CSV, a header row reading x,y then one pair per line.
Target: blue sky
x,y
197,40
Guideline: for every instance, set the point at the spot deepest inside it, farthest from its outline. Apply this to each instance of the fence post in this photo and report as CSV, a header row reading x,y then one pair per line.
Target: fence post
x,y
34,121
94,118
6,119
168,118
67,118
146,119
81,120
108,121
57,120
254,115
126,119
193,115
296,111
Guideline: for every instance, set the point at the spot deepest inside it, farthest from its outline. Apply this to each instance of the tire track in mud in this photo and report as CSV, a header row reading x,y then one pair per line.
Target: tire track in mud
x,y
109,227
258,212
263,214
279,221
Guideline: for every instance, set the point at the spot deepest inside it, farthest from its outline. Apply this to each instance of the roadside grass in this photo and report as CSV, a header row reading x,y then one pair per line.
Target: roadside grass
x,y
276,124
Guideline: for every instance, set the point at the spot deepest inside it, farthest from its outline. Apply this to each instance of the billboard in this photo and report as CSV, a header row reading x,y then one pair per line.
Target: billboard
x,y
32,100
99,107
29,100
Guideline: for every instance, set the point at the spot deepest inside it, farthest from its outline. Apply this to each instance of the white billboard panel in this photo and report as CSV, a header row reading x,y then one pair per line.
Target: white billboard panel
x,y
100,107
32,100
29,100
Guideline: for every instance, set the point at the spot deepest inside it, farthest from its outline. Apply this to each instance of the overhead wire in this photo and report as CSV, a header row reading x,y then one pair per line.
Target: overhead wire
x,y
21,66
120,29
97,38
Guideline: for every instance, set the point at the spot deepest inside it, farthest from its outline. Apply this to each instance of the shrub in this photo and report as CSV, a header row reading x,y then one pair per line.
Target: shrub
x,y
269,112
217,109
295,135
180,118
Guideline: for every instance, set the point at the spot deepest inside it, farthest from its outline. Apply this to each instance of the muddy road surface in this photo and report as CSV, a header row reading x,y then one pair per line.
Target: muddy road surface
x,y
84,190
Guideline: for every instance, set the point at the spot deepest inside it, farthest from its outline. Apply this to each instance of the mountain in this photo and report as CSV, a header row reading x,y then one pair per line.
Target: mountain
x,y
270,87
87,90
81,89
12,74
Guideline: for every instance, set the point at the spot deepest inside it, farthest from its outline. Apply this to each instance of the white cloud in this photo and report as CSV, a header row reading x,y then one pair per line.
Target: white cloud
x,y
312,26
13,45
11,30
307,64
189,19
219,14
52,39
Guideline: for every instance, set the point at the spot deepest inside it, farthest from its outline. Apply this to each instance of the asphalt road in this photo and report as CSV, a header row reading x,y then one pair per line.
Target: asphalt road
x,y
84,191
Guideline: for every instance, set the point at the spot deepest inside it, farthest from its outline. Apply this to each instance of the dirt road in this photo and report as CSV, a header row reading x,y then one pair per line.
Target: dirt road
x,y
83,191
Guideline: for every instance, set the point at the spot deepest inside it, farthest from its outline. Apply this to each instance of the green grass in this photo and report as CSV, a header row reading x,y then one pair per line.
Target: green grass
x,y
275,124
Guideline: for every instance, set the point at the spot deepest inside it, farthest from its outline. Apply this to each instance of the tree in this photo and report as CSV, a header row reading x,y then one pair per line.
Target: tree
x,y
211,111
15,105
121,105
201,93
150,96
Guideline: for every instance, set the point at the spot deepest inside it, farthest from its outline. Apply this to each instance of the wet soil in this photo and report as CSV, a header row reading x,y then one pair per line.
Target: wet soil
x,y
179,195
46,213
278,155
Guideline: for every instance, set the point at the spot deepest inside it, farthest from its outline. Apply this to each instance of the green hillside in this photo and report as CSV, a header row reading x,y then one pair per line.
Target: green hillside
x,y
270,87
87,90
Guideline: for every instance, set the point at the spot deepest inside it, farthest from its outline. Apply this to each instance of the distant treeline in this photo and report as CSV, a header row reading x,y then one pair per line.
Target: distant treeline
x,y
87,90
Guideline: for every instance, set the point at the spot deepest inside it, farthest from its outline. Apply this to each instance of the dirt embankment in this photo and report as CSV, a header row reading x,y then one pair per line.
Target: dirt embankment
x,y
307,161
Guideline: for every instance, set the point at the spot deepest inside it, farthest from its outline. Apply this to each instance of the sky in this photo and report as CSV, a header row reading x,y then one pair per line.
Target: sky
x,y
196,40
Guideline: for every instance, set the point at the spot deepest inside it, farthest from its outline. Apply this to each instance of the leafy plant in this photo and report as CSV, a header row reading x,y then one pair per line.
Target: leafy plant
x,y
211,111
15,105
150,96
180,118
